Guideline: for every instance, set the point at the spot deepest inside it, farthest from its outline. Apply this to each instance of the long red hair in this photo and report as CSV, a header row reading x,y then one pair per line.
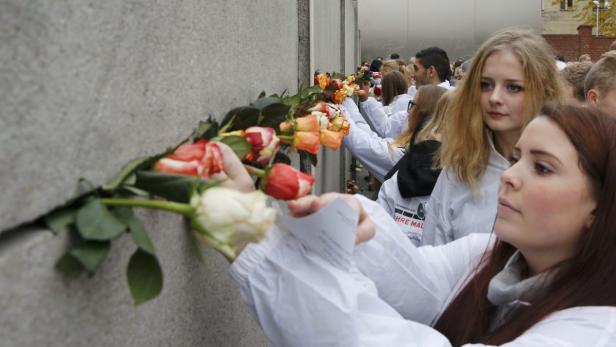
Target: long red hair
x,y
587,279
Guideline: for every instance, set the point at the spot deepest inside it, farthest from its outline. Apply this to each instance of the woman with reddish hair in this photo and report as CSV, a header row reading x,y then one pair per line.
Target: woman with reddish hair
x,y
545,277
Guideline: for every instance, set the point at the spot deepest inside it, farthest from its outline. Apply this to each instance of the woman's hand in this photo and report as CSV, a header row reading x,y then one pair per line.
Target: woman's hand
x,y
310,204
233,171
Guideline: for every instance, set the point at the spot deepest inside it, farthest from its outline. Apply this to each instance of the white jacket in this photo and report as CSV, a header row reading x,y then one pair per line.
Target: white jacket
x,y
400,103
385,125
454,211
378,155
389,124
389,297
408,213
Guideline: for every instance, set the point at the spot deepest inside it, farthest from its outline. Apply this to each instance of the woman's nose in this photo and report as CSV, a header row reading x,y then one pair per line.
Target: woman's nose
x,y
496,96
510,177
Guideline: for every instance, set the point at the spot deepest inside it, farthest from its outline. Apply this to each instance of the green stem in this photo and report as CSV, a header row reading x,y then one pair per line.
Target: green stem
x,y
255,171
179,208
286,138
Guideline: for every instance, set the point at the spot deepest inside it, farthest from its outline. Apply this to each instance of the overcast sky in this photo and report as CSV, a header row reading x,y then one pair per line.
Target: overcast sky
x,y
458,26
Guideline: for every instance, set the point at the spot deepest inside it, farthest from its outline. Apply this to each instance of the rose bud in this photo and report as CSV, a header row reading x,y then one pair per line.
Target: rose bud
x,y
339,96
264,143
323,107
230,217
307,141
286,126
335,84
307,123
323,81
377,90
284,182
331,139
340,124
201,159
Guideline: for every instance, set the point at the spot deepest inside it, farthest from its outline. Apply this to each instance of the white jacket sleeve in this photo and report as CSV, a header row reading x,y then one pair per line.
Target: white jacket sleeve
x,y
384,125
386,197
437,228
417,282
375,153
301,300
352,111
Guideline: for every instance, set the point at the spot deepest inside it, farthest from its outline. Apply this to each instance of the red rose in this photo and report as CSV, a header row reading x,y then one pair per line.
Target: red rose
x,y
201,159
284,182
264,143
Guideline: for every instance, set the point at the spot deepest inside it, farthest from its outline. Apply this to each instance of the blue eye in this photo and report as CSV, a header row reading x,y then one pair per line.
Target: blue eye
x,y
514,88
485,85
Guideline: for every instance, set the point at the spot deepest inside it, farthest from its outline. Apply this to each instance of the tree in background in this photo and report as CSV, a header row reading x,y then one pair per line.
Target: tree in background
x,y
585,12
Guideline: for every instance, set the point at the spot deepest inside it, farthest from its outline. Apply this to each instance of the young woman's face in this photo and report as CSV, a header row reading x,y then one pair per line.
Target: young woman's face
x,y
503,92
545,200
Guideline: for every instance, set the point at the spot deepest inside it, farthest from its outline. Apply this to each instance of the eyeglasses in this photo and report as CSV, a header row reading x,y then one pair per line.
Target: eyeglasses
x,y
411,104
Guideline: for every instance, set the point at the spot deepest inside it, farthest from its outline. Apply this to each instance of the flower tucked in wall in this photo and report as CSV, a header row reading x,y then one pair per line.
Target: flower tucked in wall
x,y
186,180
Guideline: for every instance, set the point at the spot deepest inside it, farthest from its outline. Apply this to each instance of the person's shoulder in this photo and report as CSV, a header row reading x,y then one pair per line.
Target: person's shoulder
x,y
578,326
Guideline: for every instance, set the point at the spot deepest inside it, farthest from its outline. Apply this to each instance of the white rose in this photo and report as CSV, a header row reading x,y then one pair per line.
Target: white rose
x,y
231,217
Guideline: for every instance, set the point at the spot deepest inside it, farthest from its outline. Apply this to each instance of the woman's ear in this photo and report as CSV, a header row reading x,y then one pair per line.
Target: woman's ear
x,y
590,219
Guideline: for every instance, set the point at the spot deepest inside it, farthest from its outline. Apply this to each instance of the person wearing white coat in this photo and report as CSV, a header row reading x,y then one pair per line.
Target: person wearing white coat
x,y
407,187
379,155
495,100
384,124
394,294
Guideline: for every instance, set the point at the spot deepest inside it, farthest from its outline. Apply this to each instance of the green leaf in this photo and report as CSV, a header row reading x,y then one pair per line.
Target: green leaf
x,y
95,222
291,100
129,168
206,130
145,277
264,102
91,254
69,266
135,227
238,144
241,118
339,76
178,188
274,114
60,221
282,158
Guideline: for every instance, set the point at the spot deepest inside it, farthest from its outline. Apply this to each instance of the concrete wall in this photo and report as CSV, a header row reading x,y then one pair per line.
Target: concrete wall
x,y
327,37
86,86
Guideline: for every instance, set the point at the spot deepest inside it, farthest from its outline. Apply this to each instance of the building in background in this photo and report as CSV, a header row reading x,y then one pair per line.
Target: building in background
x,y
459,27
559,17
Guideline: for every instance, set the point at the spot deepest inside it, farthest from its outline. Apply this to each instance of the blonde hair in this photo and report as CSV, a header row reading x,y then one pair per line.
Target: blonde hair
x,y
389,66
467,150
427,97
434,129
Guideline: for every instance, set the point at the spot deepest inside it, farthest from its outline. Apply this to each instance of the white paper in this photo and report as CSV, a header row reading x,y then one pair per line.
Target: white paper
x,y
329,232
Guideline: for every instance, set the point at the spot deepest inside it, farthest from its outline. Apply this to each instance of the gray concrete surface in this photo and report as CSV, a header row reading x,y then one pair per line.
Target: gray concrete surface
x,y
85,87
199,305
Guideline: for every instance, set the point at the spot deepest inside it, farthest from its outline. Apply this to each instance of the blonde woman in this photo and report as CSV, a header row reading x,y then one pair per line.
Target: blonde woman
x,y
407,187
379,154
512,75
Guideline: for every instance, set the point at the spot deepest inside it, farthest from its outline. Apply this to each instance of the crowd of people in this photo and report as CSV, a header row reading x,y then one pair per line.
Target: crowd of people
x,y
496,217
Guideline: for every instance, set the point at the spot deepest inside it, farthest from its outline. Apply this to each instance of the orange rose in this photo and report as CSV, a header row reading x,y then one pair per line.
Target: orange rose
x,y
331,139
307,141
